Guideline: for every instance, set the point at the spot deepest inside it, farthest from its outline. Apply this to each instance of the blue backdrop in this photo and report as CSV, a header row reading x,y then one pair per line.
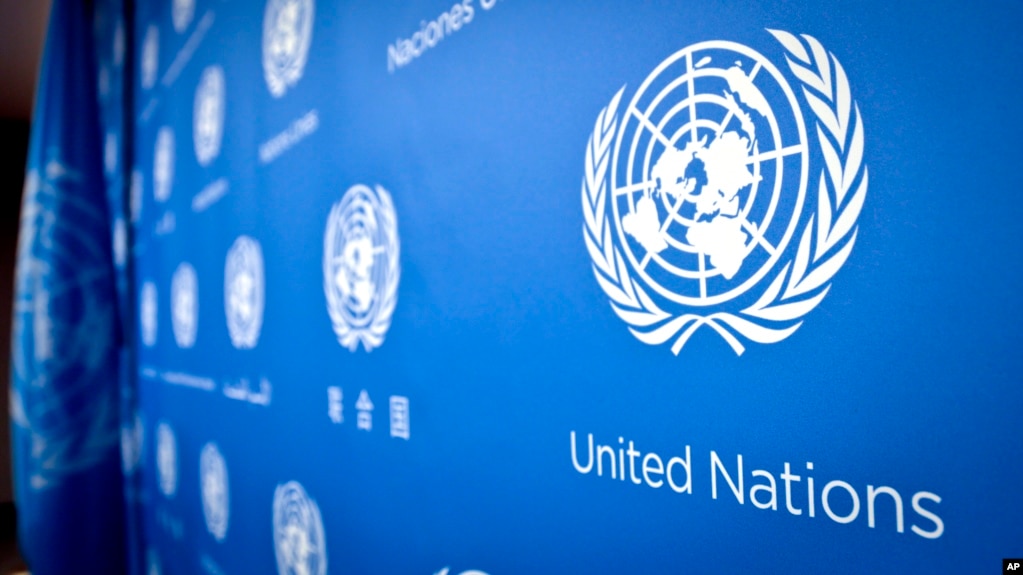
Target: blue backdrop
x,y
574,287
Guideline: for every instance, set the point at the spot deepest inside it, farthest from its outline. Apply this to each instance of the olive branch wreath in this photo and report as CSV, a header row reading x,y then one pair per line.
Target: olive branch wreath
x,y
372,335
801,284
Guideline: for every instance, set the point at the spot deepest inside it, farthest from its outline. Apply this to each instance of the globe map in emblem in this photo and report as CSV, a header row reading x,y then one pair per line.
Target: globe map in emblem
x,y
287,33
361,266
244,292
299,542
216,497
694,192
708,178
208,112
163,164
184,305
166,459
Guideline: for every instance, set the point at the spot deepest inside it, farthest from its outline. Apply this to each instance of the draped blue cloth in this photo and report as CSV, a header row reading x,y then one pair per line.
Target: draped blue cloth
x,y
67,345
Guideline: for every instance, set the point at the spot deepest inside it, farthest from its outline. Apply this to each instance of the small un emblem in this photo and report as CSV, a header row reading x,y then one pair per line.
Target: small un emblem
x,y
163,164
215,494
696,192
182,13
208,113
243,292
150,59
361,266
166,459
148,314
184,305
299,542
287,33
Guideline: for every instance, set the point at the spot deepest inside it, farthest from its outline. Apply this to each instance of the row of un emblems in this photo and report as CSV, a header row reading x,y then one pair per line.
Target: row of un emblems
x,y
244,299
213,479
361,270
299,541
207,134
300,545
287,34
704,203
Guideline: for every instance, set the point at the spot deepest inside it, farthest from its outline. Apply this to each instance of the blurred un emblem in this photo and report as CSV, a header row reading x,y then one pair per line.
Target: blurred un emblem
x,y
110,152
215,494
184,305
135,195
150,57
243,292
63,345
119,43
696,199
208,128
182,14
147,314
287,32
166,459
361,266
298,532
163,164
153,563
131,445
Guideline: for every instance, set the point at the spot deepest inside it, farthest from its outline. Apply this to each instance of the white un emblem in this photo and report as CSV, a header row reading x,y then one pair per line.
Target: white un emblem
x,y
361,266
148,314
166,459
181,14
298,532
287,32
150,57
215,494
243,292
184,305
695,193
163,164
208,122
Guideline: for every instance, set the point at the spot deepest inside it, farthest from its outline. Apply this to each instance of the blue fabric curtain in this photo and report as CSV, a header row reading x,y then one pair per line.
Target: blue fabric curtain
x,y
69,393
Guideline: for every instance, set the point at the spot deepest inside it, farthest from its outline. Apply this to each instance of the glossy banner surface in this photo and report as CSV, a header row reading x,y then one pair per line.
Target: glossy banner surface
x,y
577,287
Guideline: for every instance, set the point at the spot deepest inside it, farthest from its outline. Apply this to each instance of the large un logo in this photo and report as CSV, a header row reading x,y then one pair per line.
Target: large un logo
x,y
243,292
696,202
216,497
184,305
287,32
166,459
361,266
208,113
299,543
63,347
